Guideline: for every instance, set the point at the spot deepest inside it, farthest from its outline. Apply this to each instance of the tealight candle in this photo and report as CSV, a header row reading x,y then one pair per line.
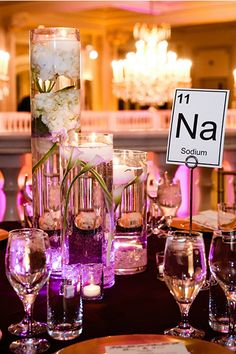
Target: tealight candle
x,y
161,269
92,290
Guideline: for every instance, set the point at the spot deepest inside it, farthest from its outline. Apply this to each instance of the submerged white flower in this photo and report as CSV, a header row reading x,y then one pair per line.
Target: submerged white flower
x,y
57,110
56,57
95,153
122,174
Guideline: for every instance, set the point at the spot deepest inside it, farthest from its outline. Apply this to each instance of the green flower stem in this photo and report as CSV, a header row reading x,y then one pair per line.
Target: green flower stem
x,y
68,169
45,157
85,169
103,185
88,167
118,199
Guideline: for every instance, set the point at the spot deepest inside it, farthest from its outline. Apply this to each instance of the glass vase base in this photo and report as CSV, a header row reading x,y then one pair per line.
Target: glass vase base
x,y
130,253
63,333
189,332
227,341
130,271
21,329
108,276
29,345
219,324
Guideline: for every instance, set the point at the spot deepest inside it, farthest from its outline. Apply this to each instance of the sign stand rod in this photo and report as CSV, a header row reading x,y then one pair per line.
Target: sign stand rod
x,y
191,162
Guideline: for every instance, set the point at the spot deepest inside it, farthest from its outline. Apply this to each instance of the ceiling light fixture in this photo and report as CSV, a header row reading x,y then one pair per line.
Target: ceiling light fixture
x,y
151,73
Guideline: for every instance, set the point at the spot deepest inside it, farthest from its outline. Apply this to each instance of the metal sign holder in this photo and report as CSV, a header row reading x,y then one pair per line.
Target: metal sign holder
x,y
191,162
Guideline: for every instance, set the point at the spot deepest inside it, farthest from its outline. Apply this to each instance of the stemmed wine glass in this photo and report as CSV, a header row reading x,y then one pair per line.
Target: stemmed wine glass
x,y
165,196
184,274
27,264
222,262
168,197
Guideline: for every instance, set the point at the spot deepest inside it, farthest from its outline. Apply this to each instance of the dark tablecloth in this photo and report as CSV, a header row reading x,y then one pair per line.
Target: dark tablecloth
x,y
135,304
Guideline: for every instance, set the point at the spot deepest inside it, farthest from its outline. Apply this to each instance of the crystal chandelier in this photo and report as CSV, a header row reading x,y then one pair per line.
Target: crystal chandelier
x,y
4,59
151,73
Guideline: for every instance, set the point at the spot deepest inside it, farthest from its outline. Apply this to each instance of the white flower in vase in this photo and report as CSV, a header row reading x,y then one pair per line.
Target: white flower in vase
x,y
93,153
57,110
56,57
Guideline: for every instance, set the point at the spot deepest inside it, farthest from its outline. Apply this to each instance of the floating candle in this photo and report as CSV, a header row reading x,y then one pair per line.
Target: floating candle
x,y
92,290
122,174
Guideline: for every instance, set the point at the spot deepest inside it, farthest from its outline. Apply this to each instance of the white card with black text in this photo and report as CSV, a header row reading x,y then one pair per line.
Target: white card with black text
x,y
197,126
148,348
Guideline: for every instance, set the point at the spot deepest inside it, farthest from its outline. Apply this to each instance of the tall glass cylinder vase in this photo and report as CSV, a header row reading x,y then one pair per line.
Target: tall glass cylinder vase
x,y
86,185
130,197
55,107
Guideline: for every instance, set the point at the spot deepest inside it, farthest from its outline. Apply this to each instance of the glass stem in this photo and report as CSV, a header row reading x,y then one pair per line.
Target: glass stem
x,y
28,303
184,310
232,317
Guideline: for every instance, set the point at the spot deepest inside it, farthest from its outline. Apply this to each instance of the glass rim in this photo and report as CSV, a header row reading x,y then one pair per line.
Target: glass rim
x,y
82,136
42,30
125,152
185,234
133,150
224,232
227,204
27,230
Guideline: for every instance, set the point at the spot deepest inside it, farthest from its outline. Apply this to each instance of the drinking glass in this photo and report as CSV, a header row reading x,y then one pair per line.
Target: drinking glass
x,y
27,264
155,222
184,274
165,197
168,197
21,328
227,216
222,262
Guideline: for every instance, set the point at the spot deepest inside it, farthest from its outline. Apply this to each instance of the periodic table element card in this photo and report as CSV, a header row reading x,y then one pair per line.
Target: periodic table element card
x,y
197,127
162,348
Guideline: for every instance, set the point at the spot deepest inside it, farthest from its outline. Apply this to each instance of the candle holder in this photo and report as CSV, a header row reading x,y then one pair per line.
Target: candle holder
x,y
129,191
92,281
55,108
87,204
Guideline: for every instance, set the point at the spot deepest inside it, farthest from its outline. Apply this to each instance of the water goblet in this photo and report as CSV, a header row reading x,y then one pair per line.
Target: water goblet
x,y
27,264
184,274
227,216
168,197
222,262
21,328
155,222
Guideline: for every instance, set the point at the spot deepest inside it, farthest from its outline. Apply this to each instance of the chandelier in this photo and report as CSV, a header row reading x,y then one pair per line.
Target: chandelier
x,y
4,59
151,73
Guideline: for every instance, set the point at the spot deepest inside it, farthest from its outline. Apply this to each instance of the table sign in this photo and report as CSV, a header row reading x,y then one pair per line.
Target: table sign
x,y
196,136
162,348
197,126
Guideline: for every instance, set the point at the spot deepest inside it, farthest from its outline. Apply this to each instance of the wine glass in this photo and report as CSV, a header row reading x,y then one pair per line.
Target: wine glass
x,y
168,197
184,274
21,328
27,264
222,262
155,223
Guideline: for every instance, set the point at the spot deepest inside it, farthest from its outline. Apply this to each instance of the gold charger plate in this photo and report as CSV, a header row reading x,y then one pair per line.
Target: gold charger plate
x,y
97,345
184,224
3,234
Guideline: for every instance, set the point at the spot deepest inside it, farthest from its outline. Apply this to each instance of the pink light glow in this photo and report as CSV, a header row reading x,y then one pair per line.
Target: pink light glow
x,y
2,204
2,198
182,174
